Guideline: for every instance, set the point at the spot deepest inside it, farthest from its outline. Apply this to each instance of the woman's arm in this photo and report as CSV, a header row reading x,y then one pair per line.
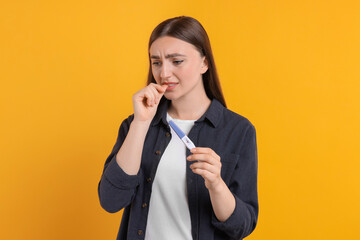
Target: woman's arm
x,y
235,205
222,201
116,188
209,167
145,103
129,155
119,180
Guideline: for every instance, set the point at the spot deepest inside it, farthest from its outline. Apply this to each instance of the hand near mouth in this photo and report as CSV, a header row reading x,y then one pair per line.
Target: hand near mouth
x,y
146,101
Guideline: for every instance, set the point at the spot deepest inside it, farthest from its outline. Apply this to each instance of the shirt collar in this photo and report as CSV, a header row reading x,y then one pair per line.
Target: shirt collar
x,y
161,112
213,114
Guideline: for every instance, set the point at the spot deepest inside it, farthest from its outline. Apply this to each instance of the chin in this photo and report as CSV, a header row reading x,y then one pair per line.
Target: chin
x,y
169,96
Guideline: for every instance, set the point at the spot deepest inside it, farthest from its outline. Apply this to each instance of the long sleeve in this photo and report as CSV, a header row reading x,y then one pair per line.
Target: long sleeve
x,y
243,185
116,189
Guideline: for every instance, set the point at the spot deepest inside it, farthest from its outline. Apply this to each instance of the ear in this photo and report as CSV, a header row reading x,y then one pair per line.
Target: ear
x,y
204,66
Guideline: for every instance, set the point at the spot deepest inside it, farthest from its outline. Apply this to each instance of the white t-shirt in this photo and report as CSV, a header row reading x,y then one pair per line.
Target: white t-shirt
x,y
169,216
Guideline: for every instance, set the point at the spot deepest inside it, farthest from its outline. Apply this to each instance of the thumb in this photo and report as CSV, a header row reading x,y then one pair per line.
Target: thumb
x,y
161,91
163,88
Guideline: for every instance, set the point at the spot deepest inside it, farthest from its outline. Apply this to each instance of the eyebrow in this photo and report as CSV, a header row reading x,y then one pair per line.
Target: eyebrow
x,y
168,56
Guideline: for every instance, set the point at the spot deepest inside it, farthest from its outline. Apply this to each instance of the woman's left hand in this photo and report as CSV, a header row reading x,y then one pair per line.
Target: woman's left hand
x,y
208,165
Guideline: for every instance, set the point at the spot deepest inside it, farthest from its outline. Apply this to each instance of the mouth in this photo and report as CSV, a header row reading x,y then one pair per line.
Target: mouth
x,y
171,85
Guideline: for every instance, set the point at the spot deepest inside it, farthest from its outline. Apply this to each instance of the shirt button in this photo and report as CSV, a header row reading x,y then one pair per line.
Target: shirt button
x,y
140,232
144,205
167,134
158,152
148,179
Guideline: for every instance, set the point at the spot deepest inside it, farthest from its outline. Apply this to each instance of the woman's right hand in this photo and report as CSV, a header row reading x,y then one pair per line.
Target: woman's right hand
x,y
146,101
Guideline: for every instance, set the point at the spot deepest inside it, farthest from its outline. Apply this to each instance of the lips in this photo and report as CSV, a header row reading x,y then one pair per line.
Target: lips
x,y
171,85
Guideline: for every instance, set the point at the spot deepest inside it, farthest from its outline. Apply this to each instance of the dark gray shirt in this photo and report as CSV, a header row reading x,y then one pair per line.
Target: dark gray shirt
x,y
230,135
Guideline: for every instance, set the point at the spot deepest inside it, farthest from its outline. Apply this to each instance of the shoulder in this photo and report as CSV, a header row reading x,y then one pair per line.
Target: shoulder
x,y
236,121
241,133
226,120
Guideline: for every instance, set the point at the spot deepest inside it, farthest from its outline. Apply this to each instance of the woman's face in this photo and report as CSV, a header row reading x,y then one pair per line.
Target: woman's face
x,y
179,65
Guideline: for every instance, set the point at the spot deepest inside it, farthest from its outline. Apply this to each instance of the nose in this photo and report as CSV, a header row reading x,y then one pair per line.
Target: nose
x,y
165,71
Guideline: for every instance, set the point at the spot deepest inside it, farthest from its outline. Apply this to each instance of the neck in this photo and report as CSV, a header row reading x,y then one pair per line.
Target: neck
x,y
189,108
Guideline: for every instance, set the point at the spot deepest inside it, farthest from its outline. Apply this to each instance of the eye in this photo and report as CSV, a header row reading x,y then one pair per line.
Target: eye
x,y
177,62
156,63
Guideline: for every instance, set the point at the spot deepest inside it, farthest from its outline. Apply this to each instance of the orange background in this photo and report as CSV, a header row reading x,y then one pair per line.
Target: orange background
x,y
68,70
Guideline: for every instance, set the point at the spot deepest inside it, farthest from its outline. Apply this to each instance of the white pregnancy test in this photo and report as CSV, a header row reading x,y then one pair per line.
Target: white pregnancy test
x,y
186,140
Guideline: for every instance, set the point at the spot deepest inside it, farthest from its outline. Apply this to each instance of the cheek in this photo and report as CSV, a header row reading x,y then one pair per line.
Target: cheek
x,y
190,72
155,73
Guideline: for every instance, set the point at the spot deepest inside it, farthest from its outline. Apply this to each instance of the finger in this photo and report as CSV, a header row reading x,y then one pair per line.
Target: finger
x,y
157,94
149,98
204,158
201,157
205,151
205,174
160,88
205,166
202,150
162,91
151,92
153,89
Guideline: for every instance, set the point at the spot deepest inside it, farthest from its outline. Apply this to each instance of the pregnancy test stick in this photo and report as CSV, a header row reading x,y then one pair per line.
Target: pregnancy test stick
x,y
188,143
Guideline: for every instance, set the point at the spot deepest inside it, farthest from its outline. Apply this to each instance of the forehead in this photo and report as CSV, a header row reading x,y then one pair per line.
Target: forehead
x,y
169,45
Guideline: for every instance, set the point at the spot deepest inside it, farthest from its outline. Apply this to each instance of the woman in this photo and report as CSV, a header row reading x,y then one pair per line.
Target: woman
x,y
168,191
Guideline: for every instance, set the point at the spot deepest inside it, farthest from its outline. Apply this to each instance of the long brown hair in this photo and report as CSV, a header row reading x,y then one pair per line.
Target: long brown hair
x,y
190,30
